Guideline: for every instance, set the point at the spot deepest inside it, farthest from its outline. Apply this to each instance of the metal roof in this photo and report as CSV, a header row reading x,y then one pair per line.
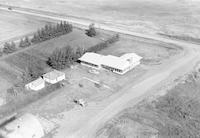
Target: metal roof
x,y
93,58
37,82
112,61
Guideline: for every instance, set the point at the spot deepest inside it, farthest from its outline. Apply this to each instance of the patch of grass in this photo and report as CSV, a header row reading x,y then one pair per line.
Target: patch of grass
x,y
22,60
22,97
174,115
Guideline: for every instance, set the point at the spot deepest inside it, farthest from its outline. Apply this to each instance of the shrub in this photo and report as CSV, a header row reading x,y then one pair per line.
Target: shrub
x,y
9,48
91,31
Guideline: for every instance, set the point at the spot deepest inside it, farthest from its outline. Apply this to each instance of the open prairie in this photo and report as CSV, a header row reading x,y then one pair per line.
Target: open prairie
x,y
15,25
179,17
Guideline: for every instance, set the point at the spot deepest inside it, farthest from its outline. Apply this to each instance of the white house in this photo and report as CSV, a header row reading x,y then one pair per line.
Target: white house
x,y
115,64
26,126
54,76
36,85
91,60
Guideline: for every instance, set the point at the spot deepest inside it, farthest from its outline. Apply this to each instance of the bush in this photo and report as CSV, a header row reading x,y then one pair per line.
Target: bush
x,y
91,31
24,42
9,48
104,44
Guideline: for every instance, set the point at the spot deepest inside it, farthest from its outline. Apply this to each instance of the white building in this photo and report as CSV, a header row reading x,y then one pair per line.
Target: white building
x,y
54,76
36,85
27,126
91,60
115,64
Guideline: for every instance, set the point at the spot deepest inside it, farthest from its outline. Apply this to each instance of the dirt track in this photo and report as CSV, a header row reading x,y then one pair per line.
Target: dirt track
x,y
84,123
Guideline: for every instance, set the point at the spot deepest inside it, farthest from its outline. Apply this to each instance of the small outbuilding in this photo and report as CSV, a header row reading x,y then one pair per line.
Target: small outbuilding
x,y
54,76
26,126
36,85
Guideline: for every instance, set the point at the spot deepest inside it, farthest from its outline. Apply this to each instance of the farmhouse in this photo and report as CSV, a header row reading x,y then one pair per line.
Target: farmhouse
x,y
115,64
27,126
54,76
91,60
36,84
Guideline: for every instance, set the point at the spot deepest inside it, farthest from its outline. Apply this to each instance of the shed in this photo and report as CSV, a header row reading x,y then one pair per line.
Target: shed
x,y
26,126
54,76
36,84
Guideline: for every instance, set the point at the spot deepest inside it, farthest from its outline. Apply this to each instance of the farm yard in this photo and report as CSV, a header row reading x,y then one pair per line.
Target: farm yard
x,y
94,88
14,65
155,98
80,82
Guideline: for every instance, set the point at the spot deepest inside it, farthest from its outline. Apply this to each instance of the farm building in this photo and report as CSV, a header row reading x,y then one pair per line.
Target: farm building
x,y
115,64
36,84
26,126
54,76
91,60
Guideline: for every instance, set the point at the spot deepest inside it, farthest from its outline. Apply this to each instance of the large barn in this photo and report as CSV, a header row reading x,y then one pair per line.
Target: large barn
x,y
119,65
26,126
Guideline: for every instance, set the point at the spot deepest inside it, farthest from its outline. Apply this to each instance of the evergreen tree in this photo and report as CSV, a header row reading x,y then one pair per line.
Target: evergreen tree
x,y
91,31
9,48
27,42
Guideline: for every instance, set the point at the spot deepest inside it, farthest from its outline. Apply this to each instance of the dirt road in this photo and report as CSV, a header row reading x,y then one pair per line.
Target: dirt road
x,y
84,123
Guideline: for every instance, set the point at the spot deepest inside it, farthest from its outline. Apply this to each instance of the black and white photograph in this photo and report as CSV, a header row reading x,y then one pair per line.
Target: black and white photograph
x,y
99,68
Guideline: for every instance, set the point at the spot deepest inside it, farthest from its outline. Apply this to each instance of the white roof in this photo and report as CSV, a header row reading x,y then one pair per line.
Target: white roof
x,y
37,82
112,61
115,62
53,74
92,58
24,127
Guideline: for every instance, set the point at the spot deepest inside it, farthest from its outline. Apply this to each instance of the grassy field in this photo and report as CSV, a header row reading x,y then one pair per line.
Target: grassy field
x,y
41,51
153,52
172,17
175,115
15,25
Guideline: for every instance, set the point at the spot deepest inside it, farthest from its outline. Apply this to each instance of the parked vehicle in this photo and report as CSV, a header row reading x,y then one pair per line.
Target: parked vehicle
x,y
80,102
9,8
93,71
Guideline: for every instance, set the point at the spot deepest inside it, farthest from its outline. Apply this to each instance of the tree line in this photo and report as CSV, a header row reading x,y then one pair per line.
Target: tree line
x,y
51,31
104,44
46,33
64,57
